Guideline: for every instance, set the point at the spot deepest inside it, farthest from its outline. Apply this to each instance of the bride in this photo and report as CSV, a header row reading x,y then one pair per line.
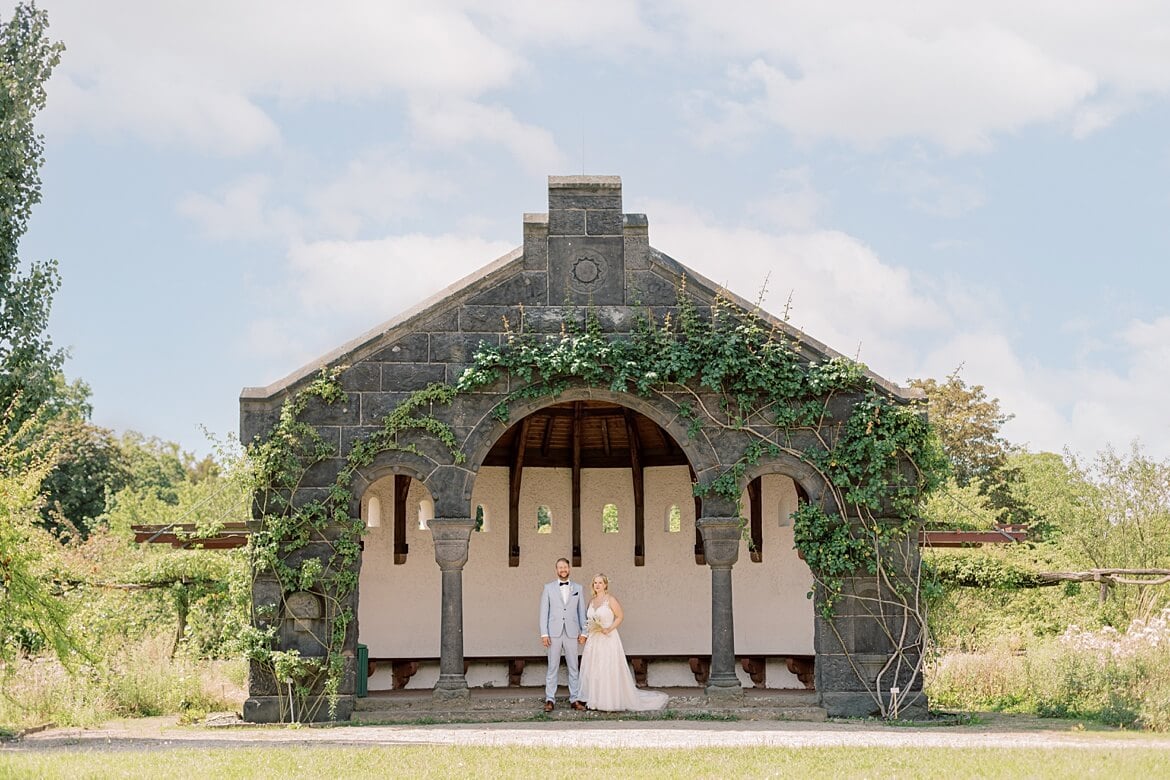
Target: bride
x,y
606,680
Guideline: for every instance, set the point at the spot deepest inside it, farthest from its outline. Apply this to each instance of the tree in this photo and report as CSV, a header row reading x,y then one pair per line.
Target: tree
x,y
30,368
968,424
90,467
1124,523
1105,521
29,364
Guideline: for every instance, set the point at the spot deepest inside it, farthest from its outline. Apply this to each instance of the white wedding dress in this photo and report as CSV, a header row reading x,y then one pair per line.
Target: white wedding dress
x,y
606,680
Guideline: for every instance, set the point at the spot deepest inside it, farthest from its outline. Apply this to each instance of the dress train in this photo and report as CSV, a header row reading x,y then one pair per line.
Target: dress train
x,y
606,680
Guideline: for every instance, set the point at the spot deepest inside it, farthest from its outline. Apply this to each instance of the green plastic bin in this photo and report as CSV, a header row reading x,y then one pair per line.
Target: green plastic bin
x,y
363,671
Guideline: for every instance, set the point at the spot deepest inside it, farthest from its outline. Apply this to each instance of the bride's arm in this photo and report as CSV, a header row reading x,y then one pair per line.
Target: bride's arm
x,y
617,614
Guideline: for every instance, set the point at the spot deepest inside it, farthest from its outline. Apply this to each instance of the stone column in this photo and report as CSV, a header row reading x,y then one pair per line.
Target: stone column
x,y
452,536
721,537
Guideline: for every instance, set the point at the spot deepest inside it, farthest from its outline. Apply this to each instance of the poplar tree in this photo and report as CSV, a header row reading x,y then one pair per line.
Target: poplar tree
x,y
30,366
32,616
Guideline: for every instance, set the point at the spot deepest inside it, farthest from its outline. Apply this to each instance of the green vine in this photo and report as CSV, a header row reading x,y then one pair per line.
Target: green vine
x,y
721,366
765,387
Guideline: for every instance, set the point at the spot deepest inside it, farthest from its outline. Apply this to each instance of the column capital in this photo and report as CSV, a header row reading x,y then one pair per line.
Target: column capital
x,y
721,538
452,536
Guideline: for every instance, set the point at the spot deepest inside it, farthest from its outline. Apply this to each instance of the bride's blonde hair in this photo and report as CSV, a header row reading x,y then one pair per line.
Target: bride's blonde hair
x,y
603,578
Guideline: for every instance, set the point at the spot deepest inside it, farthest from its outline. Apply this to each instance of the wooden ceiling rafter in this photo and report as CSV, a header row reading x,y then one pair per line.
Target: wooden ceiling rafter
x,y
639,491
515,476
603,436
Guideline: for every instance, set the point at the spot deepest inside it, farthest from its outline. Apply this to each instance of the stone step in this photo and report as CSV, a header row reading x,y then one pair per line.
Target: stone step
x,y
518,705
527,699
808,714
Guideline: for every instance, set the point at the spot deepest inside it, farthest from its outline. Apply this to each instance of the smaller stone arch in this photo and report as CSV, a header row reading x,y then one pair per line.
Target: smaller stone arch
x,y
385,464
807,478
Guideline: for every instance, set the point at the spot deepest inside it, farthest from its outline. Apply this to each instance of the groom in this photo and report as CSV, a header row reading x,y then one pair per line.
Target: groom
x,y
562,616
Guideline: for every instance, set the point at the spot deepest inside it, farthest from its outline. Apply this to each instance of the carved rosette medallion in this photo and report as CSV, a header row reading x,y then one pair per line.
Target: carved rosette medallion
x,y
589,271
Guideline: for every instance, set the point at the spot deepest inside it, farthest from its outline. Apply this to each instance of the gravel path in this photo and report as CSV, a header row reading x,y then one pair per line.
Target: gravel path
x,y
999,732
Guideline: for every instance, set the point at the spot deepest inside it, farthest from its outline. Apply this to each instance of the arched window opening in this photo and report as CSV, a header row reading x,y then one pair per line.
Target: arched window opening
x,y
673,520
426,513
374,512
481,519
543,520
609,519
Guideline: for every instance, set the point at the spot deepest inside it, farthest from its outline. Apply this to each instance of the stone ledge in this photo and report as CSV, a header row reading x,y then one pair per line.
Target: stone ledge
x,y
585,182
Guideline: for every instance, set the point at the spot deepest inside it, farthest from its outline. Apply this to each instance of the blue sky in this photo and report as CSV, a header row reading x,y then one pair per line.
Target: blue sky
x,y
234,189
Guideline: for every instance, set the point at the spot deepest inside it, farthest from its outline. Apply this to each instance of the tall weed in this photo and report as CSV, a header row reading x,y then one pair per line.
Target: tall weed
x,y
1120,678
140,679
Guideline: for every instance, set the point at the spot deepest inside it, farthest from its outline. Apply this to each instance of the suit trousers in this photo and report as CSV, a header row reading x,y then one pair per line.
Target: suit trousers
x,y
562,643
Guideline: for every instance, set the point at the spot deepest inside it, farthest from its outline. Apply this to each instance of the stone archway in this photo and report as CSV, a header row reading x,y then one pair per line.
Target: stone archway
x,y
773,580
397,596
625,462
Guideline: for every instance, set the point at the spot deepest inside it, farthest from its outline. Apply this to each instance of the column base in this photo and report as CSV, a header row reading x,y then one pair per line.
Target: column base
x,y
724,692
452,690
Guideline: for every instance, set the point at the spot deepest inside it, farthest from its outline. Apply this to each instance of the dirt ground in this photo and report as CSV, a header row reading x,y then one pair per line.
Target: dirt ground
x,y
991,730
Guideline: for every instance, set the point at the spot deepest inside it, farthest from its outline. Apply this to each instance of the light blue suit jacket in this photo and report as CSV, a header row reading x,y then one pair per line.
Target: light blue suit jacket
x,y
557,617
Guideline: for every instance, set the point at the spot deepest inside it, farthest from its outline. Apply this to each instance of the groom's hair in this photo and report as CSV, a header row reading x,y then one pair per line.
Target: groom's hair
x,y
566,560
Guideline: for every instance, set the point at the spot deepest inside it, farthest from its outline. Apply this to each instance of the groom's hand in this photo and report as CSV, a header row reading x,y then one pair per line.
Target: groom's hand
x,y
544,640
581,639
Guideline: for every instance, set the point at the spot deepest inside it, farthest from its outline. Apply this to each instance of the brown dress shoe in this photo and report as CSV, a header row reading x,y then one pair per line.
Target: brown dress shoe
x,y
548,706
578,705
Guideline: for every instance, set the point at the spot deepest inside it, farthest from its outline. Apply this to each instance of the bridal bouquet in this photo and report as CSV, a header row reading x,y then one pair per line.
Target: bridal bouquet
x,y
594,626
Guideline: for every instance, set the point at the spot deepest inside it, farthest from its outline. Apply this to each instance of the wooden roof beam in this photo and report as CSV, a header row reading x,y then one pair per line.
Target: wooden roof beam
x,y
515,475
639,492
576,447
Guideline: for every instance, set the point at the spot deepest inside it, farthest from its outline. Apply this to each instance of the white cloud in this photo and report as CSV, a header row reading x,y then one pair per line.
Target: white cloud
x,y
242,210
954,73
460,122
197,73
795,204
1083,408
373,190
869,85
165,110
608,27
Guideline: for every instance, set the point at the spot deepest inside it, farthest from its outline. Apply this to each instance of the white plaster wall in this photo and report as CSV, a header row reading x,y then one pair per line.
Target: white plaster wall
x,y
398,606
667,601
772,614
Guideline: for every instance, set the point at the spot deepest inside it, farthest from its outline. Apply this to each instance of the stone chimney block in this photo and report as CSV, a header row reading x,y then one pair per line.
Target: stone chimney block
x,y
586,240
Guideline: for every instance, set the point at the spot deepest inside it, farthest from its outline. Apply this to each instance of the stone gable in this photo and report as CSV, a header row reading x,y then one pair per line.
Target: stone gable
x,y
583,253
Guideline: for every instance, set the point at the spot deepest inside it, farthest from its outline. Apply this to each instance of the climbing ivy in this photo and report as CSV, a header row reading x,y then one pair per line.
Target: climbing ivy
x,y
738,371
721,365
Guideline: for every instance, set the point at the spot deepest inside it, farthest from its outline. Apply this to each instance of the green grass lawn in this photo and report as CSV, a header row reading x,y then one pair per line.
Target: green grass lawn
x,y
444,761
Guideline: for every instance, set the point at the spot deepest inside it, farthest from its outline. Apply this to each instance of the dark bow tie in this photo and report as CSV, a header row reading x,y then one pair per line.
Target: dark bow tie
x,y
564,584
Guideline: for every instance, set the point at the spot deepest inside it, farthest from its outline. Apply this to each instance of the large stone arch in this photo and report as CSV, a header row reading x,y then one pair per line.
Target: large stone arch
x,y
662,411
